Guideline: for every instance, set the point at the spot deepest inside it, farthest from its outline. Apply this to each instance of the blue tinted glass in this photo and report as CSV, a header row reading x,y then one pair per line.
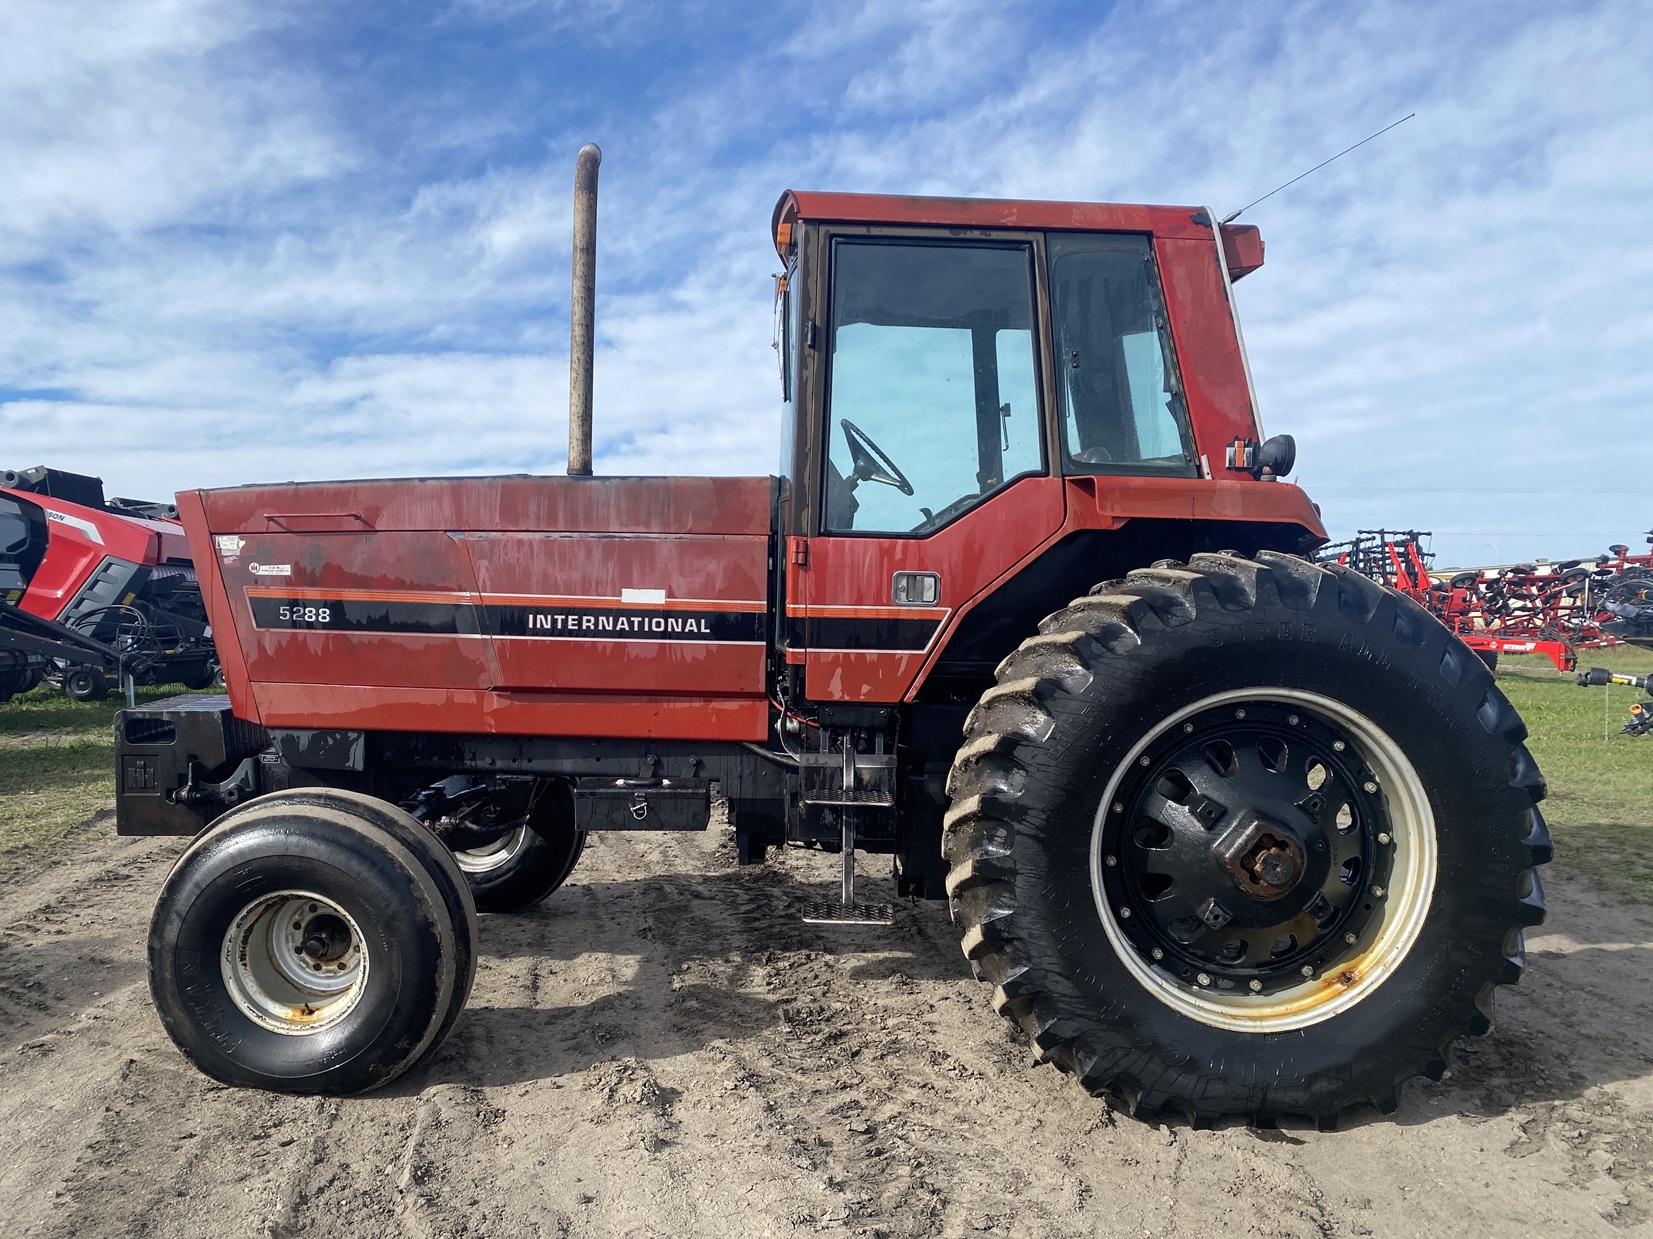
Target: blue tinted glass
x,y
1122,409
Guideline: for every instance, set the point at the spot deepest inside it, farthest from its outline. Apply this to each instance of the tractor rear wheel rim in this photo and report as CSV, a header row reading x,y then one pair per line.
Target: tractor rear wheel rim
x,y
1263,859
496,855
294,962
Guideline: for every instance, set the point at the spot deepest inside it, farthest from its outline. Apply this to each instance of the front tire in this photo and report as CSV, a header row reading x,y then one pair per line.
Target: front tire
x,y
1245,839
440,865
303,949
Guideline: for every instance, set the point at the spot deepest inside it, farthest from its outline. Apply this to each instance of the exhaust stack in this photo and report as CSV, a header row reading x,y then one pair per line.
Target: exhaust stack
x,y
582,335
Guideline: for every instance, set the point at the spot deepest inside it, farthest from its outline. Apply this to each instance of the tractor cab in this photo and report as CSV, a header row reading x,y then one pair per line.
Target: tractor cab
x,y
971,384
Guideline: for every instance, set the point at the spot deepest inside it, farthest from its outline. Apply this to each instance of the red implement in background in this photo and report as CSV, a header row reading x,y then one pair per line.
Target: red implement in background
x,y
1532,608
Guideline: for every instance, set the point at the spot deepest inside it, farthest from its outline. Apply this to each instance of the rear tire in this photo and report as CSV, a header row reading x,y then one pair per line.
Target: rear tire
x,y
1215,680
304,949
522,868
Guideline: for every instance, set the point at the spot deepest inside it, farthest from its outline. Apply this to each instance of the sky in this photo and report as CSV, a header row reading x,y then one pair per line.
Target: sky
x,y
256,241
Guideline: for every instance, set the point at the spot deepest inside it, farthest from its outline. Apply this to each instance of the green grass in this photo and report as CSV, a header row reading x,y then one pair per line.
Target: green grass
x,y
1600,806
57,765
57,770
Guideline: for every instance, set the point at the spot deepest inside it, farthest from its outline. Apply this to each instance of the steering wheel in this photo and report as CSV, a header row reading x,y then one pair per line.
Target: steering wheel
x,y
871,464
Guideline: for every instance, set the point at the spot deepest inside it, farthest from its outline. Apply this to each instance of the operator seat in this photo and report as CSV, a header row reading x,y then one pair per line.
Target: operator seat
x,y
841,503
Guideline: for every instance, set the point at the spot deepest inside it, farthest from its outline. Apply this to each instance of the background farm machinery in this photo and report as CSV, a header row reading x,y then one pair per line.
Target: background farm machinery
x,y
1640,721
95,591
1528,608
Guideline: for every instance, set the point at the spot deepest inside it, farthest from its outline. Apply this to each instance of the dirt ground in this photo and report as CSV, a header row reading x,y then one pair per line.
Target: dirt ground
x,y
664,1049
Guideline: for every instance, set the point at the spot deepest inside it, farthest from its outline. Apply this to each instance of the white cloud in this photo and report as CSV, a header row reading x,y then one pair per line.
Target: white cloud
x,y
122,117
218,265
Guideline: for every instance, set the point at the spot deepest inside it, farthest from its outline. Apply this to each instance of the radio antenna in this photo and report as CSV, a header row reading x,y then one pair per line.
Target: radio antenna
x,y
1229,219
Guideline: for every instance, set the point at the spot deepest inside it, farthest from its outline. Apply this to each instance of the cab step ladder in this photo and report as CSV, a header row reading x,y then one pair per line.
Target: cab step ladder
x,y
850,784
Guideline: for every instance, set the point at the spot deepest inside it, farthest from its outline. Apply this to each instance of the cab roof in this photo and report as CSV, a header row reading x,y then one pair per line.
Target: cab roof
x,y
1242,244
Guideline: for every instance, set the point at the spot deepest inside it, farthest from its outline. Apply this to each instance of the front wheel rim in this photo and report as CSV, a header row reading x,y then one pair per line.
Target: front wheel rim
x,y
1326,886
502,852
294,962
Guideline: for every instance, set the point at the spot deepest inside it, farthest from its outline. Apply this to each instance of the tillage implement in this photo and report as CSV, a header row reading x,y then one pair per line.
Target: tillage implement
x,y
1026,609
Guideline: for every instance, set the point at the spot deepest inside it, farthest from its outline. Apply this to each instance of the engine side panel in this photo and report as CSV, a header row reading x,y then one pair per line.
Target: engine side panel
x,y
367,608
528,606
631,613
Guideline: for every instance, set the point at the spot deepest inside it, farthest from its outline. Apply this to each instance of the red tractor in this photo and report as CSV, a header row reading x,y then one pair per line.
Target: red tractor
x,y
1229,833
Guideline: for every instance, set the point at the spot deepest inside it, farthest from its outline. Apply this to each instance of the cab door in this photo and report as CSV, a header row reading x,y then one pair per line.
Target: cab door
x,y
933,453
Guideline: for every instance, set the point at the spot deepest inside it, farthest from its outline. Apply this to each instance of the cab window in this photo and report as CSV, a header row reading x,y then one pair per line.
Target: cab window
x,y
1122,406
932,400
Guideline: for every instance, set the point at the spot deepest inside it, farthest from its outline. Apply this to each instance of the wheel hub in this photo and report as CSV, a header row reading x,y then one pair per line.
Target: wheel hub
x,y
1243,847
326,938
294,962
1264,857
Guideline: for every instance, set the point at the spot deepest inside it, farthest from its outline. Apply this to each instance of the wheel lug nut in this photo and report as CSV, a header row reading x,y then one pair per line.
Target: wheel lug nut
x,y
1256,987
1239,714
1117,807
1307,970
1383,838
1124,914
1338,746
1377,892
1157,953
1187,727
1292,719
1142,761
1204,978
1112,861
1350,939
1369,786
